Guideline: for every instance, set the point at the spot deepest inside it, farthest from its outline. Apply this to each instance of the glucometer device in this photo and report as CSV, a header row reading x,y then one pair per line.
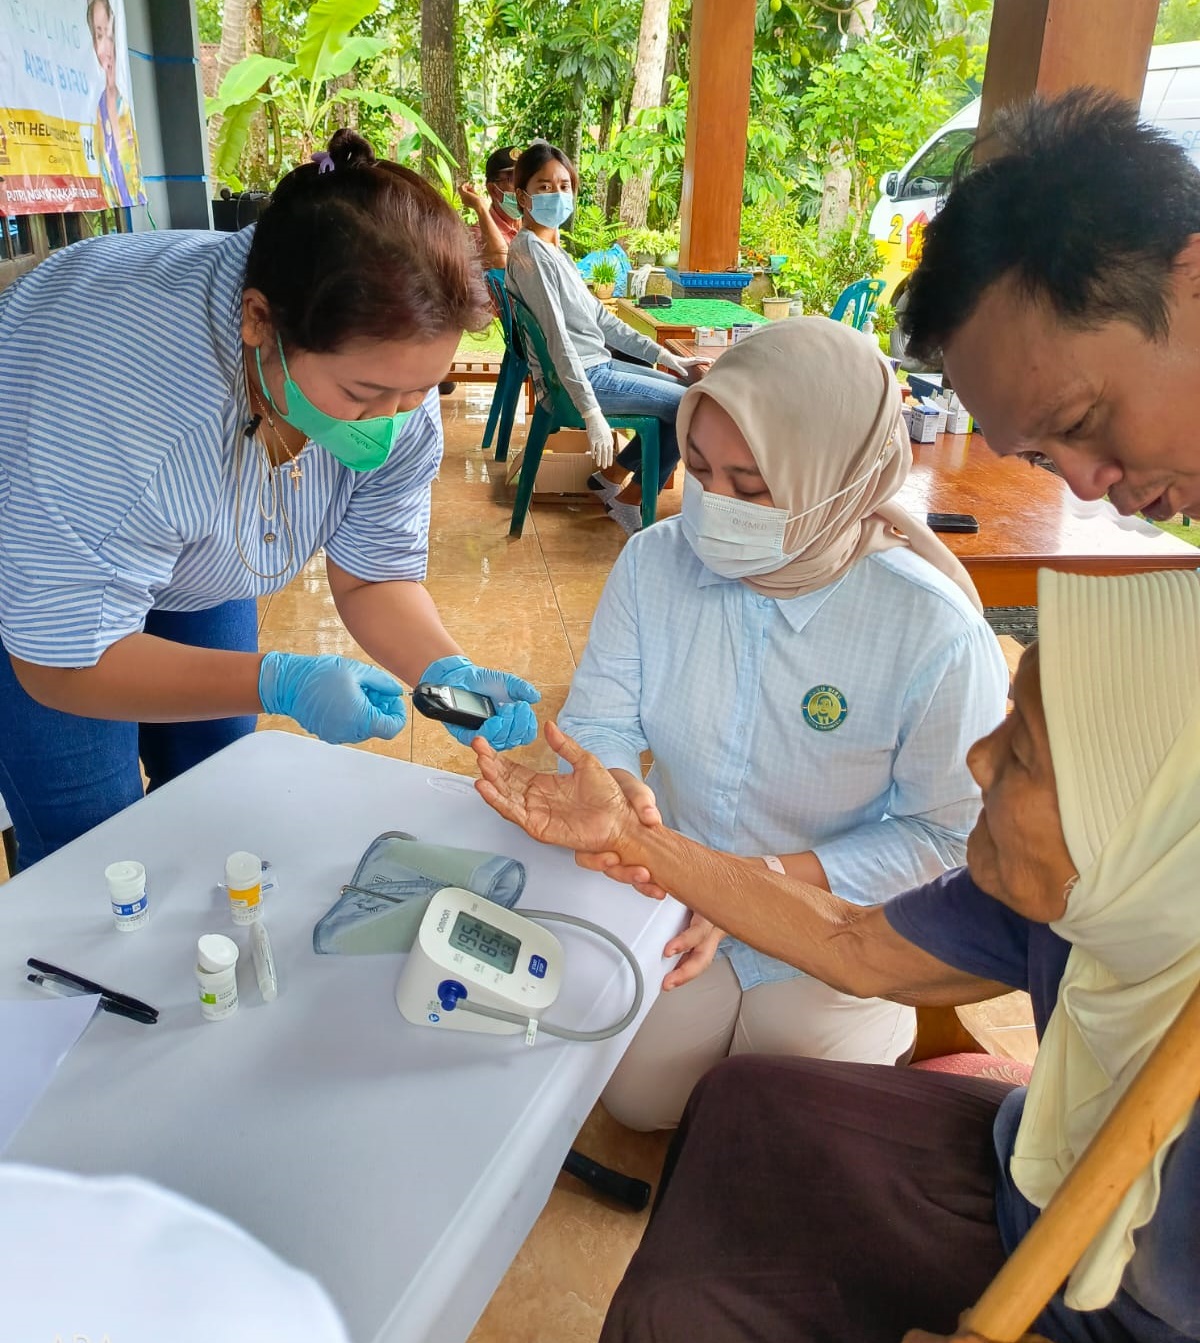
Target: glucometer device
x,y
449,704
476,966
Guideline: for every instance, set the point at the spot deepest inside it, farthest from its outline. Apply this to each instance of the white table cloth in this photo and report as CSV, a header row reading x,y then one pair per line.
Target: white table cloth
x,y
401,1166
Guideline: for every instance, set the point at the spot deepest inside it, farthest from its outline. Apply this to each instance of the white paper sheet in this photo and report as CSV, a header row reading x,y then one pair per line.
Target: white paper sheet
x,y
35,1037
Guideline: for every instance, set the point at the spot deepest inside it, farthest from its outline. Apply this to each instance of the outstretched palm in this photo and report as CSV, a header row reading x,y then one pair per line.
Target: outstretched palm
x,y
585,810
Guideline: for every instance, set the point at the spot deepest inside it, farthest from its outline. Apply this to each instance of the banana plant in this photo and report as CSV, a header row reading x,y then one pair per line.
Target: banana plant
x,y
301,88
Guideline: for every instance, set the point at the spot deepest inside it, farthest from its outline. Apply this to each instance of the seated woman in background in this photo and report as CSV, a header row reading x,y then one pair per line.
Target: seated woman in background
x,y
808,665
805,1200
579,330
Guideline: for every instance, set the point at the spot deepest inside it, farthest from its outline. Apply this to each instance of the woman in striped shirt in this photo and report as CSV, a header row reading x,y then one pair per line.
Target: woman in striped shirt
x,y
187,419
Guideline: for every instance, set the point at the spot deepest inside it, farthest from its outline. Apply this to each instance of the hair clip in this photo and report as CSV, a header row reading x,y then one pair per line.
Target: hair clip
x,y
325,162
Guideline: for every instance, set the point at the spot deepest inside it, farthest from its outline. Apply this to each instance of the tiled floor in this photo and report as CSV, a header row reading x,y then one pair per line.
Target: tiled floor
x,y
525,606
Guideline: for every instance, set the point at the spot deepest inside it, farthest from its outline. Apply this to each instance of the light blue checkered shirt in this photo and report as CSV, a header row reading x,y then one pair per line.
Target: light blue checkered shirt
x,y
121,416
711,678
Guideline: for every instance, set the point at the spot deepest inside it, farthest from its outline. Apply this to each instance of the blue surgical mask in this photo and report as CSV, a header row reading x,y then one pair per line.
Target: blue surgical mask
x,y
552,209
509,205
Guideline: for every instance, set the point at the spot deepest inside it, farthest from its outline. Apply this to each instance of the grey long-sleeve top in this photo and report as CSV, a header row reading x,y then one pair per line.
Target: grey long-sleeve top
x,y
577,326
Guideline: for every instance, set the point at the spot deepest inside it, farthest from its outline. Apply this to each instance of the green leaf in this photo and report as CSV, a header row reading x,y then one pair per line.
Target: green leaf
x,y
356,49
326,33
231,139
388,103
243,81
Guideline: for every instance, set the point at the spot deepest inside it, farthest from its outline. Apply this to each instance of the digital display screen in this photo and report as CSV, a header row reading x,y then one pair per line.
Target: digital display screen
x,y
470,702
485,943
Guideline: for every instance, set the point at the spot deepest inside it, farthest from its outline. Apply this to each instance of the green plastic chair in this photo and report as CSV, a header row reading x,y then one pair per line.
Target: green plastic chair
x,y
560,413
514,369
859,299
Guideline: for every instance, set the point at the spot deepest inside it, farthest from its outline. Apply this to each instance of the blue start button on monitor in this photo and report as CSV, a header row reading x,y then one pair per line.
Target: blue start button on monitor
x,y
537,967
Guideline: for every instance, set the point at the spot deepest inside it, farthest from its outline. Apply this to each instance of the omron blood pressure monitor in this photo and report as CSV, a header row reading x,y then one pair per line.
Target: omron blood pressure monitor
x,y
476,966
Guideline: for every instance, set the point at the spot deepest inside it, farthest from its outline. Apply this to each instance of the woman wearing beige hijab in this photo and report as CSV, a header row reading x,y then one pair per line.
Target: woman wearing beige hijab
x,y
807,665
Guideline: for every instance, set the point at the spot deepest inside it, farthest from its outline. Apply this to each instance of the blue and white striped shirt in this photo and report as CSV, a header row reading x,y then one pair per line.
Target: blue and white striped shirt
x,y
712,678
121,431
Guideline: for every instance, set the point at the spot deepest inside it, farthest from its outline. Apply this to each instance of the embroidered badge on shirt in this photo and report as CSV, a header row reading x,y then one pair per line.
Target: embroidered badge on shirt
x,y
824,708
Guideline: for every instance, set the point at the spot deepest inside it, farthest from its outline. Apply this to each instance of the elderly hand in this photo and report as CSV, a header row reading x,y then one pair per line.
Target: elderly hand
x,y
475,200
585,810
698,944
639,795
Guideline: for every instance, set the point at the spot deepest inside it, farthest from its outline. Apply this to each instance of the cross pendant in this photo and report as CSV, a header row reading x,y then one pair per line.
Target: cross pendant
x,y
297,474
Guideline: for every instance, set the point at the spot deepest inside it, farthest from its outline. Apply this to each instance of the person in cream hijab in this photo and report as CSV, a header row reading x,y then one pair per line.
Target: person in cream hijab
x,y
807,665
806,1200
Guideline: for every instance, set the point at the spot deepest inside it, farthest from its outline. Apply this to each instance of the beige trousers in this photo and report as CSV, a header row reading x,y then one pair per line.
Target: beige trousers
x,y
694,1027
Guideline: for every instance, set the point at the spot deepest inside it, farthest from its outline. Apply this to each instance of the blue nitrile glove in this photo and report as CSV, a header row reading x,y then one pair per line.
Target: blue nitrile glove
x,y
335,698
513,723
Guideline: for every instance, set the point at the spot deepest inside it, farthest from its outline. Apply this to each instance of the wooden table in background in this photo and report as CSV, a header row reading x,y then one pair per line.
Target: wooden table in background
x,y
1028,520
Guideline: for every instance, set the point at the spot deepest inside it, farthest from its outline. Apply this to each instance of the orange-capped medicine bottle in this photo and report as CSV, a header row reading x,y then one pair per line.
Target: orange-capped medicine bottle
x,y
243,880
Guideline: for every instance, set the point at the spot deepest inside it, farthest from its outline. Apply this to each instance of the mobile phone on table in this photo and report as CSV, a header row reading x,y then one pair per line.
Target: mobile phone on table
x,y
450,704
952,522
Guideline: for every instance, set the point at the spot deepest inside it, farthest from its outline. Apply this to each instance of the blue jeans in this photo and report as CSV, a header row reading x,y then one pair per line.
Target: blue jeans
x,y
623,388
60,774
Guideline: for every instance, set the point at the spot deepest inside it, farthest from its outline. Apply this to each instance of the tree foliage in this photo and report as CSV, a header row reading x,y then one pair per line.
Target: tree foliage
x,y
562,69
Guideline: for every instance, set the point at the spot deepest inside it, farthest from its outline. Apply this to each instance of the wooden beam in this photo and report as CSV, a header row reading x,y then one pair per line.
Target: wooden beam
x,y
714,164
1049,46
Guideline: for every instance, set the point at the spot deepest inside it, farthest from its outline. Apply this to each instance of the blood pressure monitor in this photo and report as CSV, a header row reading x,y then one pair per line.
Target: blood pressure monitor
x,y
476,966
471,951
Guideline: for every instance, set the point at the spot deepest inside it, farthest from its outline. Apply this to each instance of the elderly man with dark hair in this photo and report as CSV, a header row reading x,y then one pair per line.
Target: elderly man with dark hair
x,y
1061,283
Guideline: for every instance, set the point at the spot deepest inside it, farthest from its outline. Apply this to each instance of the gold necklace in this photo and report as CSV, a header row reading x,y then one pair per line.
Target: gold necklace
x,y
277,505
291,459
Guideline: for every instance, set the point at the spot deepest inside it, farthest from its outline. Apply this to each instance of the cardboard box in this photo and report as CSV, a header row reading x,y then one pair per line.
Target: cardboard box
x,y
565,466
938,409
959,421
922,423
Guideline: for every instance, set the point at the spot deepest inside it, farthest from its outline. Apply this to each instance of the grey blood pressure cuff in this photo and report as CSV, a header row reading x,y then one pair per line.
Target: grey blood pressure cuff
x,y
381,907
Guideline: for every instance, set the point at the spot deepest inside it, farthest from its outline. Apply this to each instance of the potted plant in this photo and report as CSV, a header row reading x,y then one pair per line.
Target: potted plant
x,y
604,278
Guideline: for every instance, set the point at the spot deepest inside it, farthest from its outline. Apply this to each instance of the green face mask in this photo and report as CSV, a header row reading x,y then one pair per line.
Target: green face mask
x,y
362,445
509,205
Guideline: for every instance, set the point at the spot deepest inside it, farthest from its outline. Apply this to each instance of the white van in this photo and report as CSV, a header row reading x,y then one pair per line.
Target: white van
x,y
912,196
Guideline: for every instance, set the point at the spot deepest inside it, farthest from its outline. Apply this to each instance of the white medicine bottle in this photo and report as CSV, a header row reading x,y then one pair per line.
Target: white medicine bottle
x,y
243,881
216,974
127,894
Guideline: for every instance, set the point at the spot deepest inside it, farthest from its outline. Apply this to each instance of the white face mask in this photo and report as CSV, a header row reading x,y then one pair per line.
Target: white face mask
x,y
733,537
739,539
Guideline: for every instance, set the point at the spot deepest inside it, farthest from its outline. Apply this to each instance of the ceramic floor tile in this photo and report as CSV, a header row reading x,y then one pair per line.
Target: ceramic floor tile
x,y
577,634
496,556
577,593
301,606
472,598
578,1250
534,647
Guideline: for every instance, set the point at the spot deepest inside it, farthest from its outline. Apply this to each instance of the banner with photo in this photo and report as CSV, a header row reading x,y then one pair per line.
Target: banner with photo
x,y
67,136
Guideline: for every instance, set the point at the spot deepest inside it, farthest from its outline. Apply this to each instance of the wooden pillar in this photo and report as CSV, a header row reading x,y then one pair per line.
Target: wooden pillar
x,y
714,164
1049,46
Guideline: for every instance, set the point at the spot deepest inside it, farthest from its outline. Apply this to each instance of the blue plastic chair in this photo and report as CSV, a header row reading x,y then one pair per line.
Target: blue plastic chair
x,y
859,299
560,413
514,369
